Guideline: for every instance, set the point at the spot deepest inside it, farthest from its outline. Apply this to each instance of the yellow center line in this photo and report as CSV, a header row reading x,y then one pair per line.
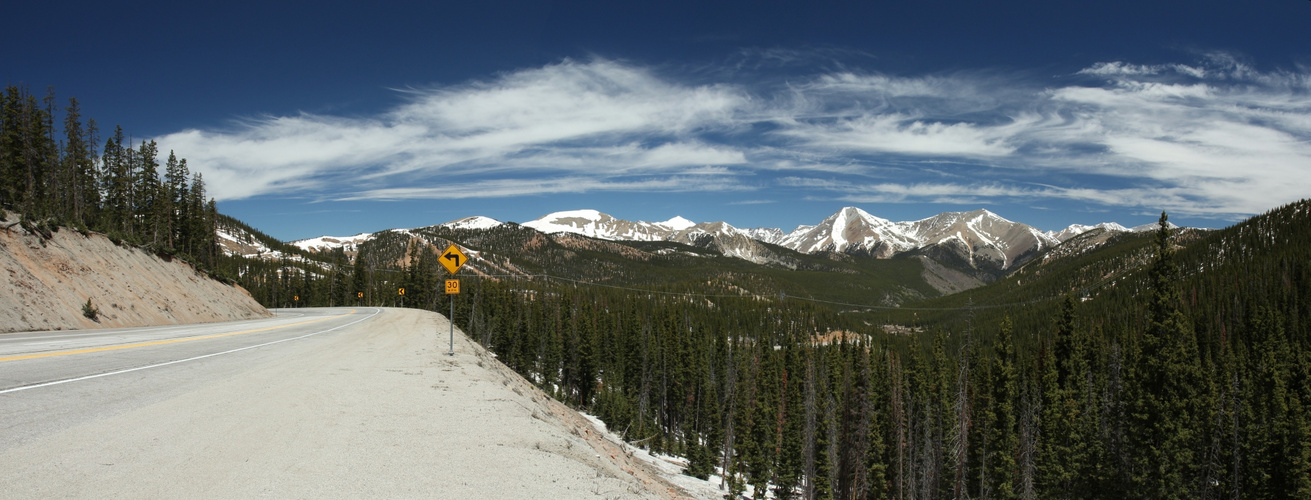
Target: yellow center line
x,y
162,342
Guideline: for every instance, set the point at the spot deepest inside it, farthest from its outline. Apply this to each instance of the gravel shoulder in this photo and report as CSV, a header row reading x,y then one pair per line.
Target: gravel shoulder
x,y
376,410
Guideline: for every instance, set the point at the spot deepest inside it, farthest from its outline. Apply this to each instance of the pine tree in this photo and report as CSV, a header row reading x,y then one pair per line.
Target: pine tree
x,y
880,418
789,470
175,199
998,475
1061,447
1166,408
146,210
79,160
12,194
116,185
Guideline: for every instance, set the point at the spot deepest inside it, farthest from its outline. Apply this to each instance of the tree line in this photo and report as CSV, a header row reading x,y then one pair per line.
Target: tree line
x,y
53,173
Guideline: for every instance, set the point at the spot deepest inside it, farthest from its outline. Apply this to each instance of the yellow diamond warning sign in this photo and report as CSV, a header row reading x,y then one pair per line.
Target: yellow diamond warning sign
x,y
453,258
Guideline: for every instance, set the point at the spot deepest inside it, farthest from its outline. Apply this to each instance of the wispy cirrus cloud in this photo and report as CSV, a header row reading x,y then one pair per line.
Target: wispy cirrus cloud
x,y
1212,137
598,118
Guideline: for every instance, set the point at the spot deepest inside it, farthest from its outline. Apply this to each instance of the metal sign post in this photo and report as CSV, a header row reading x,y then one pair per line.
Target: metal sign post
x,y
452,289
452,259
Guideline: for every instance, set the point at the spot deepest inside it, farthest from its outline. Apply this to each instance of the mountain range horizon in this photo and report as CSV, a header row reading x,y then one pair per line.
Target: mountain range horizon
x,y
678,222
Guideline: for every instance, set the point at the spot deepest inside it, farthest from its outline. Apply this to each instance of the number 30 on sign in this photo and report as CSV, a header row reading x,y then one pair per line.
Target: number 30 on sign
x,y
452,287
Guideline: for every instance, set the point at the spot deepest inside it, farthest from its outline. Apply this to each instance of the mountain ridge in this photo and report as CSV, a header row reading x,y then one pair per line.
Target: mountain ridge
x,y
980,237
957,250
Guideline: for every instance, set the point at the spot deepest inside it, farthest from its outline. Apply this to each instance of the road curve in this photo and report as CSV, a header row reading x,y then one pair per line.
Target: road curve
x,y
323,403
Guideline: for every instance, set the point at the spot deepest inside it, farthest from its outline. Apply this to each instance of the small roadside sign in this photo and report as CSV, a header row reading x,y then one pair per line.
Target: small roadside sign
x,y
452,259
452,287
400,291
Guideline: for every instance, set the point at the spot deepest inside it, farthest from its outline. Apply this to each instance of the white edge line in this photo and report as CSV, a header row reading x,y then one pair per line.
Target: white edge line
x,y
176,361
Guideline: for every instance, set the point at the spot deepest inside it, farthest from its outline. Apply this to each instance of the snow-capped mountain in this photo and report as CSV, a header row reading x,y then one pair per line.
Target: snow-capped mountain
x,y
1151,226
979,236
854,231
321,243
979,239
720,236
352,243
1078,229
475,222
595,224
771,235
972,235
981,243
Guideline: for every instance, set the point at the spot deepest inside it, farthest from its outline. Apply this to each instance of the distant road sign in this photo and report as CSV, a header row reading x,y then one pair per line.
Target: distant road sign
x,y
359,295
400,291
452,287
296,298
453,258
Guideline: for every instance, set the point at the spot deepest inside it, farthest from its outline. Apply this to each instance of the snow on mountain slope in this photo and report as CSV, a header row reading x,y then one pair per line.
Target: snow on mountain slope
x,y
1078,229
851,230
979,239
1152,226
720,236
982,235
725,239
475,222
595,224
976,236
349,243
771,235
235,241
678,223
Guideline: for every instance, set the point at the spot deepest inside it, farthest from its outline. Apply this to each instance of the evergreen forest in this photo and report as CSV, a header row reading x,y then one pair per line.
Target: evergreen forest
x,y
53,174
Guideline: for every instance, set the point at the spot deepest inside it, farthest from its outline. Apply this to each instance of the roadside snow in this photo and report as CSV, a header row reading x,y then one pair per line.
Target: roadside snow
x,y
669,467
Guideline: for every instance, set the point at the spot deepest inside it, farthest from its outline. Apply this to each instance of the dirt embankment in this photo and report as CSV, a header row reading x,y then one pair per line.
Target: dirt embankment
x,y
46,282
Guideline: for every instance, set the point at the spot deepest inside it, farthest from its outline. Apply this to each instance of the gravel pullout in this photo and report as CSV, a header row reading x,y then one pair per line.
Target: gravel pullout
x,y
376,410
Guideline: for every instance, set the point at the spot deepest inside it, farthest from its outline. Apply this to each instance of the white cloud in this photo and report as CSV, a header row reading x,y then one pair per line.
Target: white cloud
x,y
1214,137
500,188
899,134
585,118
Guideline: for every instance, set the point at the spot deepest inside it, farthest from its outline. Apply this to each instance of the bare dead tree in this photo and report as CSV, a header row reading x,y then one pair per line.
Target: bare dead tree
x,y
900,472
808,445
961,429
1030,407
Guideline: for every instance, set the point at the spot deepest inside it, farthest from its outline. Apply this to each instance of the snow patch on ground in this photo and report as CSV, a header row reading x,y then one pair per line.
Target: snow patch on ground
x,y
670,467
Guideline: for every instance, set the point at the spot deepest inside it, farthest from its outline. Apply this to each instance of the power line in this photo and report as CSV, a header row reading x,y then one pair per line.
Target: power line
x,y
783,295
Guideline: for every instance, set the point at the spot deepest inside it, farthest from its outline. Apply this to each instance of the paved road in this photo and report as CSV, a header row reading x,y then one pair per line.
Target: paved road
x,y
313,403
37,359
58,379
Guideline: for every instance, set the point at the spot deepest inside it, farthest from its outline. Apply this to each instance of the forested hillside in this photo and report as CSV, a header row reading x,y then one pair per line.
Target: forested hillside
x,y
395,259
1171,364
1190,385
65,180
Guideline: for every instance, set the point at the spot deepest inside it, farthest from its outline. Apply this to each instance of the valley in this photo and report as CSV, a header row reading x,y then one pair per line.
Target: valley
x,y
743,367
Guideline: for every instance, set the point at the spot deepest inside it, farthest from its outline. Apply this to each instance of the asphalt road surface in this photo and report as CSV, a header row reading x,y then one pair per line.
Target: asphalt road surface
x,y
313,403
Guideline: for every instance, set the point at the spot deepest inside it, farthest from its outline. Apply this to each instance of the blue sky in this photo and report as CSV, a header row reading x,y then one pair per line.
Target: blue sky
x,y
341,117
